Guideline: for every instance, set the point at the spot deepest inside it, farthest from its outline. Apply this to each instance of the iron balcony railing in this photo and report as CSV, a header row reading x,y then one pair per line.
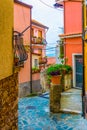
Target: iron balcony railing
x,y
20,54
43,60
39,40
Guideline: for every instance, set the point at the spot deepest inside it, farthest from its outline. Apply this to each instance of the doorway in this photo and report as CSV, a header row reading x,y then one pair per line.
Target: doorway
x,y
77,71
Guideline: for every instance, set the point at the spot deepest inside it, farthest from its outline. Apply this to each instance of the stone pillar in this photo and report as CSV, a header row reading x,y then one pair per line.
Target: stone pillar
x,y
55,95
9,103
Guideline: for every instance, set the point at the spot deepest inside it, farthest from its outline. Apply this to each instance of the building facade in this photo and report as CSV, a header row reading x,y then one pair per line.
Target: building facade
x,y
8,79
39,59
22,29
32,35
75,44
72,39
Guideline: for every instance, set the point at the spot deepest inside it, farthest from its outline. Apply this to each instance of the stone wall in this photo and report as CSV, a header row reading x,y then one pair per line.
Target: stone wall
x,y
43,80
9,103
55,95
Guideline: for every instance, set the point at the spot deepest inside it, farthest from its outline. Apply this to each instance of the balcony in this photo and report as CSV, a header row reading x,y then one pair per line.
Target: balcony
x,y
43,61
20,54
35,70
38,40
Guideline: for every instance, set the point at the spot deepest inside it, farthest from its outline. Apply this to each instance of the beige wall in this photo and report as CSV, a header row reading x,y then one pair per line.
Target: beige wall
x,y
6,28
33,58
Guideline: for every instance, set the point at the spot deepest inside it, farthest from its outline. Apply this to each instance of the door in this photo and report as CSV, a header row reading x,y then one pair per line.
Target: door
x,y
79,71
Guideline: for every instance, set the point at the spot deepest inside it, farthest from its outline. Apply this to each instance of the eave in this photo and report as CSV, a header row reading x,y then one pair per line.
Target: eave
x,y
36,23
36,54
24,4
73,35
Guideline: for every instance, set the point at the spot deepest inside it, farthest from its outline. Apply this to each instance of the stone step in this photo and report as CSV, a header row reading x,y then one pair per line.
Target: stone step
x,y
71,102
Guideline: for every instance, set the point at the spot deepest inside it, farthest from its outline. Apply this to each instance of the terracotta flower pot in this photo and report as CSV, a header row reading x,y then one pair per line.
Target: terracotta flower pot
x,y
56,79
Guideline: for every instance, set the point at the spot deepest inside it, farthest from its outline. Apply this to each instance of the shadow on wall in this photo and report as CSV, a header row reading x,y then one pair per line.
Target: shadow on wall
x,y
24,89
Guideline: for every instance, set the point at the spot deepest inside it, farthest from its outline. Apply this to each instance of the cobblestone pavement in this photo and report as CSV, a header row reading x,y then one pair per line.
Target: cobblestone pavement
x,y
34,114
71,101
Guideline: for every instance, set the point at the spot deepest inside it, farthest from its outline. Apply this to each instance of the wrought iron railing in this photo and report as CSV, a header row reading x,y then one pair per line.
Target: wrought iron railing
x,y
20,54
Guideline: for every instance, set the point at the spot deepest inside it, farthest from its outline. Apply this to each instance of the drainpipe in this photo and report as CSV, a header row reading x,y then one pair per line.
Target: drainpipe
x,y
83,37
30,56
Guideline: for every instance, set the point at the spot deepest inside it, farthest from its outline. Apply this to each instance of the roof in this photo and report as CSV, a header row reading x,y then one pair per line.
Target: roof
x,y
34,22
22,3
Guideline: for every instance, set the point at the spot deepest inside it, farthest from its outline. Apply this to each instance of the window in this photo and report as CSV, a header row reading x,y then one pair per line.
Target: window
x,y
40,34
36,62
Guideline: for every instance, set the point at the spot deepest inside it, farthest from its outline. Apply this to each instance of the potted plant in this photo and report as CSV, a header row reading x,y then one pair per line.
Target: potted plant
x,y
55,72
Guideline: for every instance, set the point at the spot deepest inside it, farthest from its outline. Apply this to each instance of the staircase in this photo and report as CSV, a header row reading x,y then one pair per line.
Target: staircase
x,y
71,101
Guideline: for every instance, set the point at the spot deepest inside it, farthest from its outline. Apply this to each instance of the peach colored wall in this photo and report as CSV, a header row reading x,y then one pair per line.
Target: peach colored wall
x,y
73,45
51,60
73,17
36,76
21,21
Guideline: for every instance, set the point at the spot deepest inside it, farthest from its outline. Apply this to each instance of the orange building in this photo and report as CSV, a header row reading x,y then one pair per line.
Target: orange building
x,y
75,43
73,39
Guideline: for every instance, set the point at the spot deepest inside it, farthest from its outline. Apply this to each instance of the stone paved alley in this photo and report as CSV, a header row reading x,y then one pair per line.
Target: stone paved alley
x,y
34,114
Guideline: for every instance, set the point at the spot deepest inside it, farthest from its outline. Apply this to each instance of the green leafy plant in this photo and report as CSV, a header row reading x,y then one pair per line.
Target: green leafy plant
x,y
68,69
54,70
35,70
59,69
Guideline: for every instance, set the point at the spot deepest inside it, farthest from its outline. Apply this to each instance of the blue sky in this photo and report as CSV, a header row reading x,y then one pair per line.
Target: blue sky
x,y
49,16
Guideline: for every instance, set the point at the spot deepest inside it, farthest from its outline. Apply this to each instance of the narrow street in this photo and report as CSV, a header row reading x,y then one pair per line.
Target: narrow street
x,y
34,114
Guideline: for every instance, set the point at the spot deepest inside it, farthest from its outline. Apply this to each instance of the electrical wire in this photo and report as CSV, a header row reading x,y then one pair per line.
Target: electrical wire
x,y
49,5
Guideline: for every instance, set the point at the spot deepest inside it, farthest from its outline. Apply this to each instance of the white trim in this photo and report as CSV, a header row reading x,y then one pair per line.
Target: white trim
x,y
72,36
59,1
74,68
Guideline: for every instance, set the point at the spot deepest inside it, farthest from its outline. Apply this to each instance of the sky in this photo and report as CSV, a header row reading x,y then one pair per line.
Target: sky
x,y
44,12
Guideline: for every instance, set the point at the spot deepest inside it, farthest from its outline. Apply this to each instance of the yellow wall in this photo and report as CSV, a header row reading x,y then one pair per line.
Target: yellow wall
x,y
85,59
85,50
6,28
